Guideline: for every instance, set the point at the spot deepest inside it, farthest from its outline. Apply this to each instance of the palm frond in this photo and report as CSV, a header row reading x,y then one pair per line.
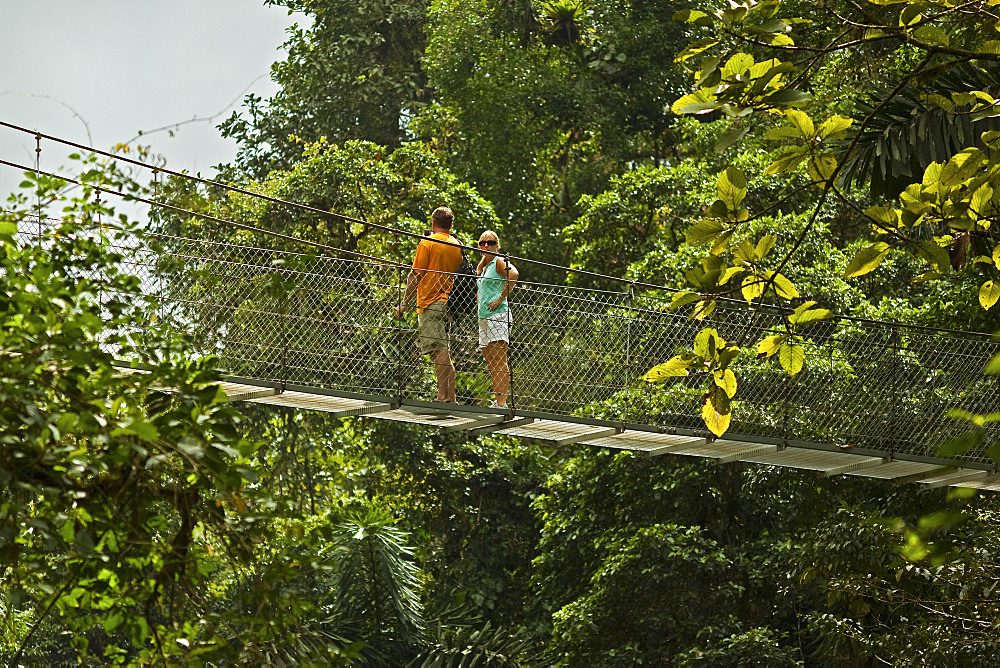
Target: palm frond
x,y
483,646
379,579
909,132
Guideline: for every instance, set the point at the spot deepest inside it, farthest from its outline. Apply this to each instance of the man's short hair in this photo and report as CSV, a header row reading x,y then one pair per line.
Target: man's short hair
x,y
443,217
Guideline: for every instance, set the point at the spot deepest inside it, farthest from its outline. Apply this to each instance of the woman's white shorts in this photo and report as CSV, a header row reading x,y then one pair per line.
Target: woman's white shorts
x,y
494,328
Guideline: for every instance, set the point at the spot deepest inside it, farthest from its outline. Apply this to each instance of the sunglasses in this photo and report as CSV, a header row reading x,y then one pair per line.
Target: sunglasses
x,y
487,242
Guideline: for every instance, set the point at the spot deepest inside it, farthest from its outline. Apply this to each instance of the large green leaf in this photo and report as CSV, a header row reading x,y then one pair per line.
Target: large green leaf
x,y
834,127
707,343
804,315
989,293
783,287
716,411
725,379
802,123
867,260
674,367
792,357
704,231
732,186
770,345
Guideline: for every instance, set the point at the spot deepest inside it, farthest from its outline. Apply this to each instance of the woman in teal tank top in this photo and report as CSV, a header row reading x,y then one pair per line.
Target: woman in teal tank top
x,y
497,277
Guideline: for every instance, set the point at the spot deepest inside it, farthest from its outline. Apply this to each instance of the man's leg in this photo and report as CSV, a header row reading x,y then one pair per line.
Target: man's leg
x,y
433,341
445,372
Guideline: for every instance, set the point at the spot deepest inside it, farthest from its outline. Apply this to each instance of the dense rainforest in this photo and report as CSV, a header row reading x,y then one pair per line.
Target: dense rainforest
x,y
843,153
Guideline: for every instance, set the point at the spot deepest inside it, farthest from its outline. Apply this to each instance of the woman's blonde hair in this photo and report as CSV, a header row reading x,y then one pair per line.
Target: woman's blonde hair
x,y
487,257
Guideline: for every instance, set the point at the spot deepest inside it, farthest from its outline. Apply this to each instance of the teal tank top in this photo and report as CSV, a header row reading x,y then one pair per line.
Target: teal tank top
x,y
490,287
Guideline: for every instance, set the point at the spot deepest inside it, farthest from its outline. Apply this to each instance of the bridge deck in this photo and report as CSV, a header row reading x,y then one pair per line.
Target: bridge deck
x,y
562,430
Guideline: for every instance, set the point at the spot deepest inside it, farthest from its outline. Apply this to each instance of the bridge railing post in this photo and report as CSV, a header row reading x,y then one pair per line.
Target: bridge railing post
x,y
398,371
627,376
511,395
895,349
38,194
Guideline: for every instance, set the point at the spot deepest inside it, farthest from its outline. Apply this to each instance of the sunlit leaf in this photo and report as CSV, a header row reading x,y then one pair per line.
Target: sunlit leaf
x,y
707,343
821,167
704,231
729,273
722,242
788,160
753,287
698,102
693,16
727,355
737,64
764,245
770,345
801,121
672,368
725,379
703,309
693,49
867,260
683,299
804,315
961,167
716,411
792,357
783,287
732,187
989,293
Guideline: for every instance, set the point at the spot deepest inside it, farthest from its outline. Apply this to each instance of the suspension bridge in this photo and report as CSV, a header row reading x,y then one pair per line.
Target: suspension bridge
x,y
314,329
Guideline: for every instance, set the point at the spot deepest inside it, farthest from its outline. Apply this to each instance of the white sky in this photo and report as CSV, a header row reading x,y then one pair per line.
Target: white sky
x,y
115,67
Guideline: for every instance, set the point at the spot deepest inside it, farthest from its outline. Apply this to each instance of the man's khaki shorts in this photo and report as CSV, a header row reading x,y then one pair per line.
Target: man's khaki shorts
x,y
432,328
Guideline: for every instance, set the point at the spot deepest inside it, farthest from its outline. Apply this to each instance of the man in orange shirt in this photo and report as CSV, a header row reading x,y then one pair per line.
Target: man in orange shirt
x,y
432,278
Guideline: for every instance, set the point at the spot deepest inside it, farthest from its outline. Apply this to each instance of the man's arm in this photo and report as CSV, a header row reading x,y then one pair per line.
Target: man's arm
x,y
412,279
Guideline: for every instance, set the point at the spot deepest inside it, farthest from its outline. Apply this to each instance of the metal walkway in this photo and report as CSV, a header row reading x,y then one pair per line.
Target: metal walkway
x,y
316,332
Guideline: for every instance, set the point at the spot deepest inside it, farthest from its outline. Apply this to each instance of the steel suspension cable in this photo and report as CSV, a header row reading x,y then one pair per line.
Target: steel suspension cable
x,y
311,209
214,219
333,249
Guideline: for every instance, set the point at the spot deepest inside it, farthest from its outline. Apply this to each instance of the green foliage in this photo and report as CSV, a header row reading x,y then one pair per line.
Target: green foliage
x,y
642,210
112,486
536,111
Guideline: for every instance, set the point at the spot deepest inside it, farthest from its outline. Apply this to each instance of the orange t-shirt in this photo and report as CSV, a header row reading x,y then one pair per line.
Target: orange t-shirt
x,y
430,259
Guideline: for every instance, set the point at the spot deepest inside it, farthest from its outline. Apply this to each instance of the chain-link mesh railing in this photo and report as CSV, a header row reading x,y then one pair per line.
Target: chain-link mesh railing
x,y
326,322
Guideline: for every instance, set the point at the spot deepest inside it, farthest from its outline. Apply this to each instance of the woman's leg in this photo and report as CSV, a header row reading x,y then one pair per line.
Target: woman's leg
x,y
495,353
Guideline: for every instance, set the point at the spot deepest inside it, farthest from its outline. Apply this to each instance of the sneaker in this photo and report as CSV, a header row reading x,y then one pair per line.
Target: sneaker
x,y
494,404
